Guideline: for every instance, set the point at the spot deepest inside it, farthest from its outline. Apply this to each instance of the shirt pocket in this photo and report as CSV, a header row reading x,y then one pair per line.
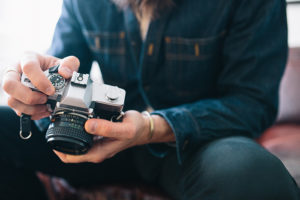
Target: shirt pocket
x,y
109,49
191,64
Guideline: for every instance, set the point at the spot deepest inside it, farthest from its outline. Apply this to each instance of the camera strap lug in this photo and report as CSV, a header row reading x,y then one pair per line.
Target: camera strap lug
x,y
54,69
119,118
25,127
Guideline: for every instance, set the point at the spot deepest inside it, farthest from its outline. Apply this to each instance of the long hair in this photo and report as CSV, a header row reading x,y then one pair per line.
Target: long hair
x,y
158,6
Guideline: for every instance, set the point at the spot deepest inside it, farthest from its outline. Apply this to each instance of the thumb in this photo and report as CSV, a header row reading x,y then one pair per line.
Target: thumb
x,y
109,129
68,65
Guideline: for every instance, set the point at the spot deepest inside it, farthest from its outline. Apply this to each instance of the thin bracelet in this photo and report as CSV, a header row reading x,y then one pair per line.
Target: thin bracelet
x,y
151,123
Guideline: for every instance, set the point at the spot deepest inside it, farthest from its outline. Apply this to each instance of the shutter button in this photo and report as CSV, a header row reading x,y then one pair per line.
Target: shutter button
x,y
112,94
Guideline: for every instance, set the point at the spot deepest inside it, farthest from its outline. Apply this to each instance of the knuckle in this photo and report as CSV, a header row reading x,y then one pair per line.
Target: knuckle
x,y
28,67
75,60
11,102
28,99
8,85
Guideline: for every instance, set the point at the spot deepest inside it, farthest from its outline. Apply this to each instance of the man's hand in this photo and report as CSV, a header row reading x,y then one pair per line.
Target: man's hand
x,y
132,131
21,98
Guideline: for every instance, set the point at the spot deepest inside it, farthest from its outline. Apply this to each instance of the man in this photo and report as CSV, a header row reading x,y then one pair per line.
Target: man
x,y
210,72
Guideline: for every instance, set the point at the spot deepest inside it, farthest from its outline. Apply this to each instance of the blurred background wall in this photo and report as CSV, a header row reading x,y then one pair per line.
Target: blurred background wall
x,y
25,26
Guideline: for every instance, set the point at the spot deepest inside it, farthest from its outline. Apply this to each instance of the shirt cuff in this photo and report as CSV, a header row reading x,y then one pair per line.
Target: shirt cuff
x,y
185,128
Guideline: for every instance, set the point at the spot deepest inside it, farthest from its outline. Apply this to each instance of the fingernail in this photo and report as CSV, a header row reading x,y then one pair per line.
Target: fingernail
x,y
66,71
92,126
50,90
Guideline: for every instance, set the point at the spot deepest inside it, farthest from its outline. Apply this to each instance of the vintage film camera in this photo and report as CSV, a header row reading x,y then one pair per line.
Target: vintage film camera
x,y
74,102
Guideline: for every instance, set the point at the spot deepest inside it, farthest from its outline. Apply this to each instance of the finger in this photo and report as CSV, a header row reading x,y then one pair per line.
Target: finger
x,y
103,150
98,153
110,129
37,116
67,158
32,66
27,109
40,115
13,87
68,65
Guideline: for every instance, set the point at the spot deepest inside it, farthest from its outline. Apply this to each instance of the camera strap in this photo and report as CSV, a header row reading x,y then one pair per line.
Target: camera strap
x,y
25,127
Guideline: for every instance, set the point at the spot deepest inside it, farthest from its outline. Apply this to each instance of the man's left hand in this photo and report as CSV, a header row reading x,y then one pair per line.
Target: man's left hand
x,y
118,136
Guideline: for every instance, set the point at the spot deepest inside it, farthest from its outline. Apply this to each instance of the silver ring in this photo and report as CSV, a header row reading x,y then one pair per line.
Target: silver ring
x,y
12,70
27,137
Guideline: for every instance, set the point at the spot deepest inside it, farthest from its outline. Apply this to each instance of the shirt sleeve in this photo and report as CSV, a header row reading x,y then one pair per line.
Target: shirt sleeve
x,y
253,61
68,38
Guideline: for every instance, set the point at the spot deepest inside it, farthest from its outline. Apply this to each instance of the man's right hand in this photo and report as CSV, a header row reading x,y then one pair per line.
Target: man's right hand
x,y
21,98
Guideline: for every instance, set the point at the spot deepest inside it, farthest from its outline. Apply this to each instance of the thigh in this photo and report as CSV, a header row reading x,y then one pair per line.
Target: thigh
x,y
236,168
35,155
227,168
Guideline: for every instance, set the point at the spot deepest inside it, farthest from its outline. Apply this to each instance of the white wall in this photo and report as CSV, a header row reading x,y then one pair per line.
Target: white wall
x,y
26,25
293,14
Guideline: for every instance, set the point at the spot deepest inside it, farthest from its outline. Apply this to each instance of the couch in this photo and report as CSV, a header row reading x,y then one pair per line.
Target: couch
x,y
283,138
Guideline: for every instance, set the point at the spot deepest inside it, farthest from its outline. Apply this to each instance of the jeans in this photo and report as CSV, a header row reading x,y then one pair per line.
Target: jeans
x,y
233,168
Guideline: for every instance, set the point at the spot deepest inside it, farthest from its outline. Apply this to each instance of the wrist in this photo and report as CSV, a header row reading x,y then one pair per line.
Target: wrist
x,y
150,125
157,129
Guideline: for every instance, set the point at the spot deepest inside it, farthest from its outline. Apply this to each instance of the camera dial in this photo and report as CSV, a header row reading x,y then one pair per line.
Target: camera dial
x,y
57,81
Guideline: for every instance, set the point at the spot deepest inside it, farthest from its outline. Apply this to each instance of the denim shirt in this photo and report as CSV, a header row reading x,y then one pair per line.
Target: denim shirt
x,y
211,69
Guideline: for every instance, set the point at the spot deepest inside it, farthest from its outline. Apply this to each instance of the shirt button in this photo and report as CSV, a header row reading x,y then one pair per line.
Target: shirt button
x,y
186,142
150,49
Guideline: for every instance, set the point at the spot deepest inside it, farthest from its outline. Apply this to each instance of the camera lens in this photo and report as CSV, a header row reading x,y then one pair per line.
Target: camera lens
x,y
66,133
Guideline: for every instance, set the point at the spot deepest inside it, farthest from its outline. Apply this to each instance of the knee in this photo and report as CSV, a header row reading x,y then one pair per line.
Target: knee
x,y
235,157
239,168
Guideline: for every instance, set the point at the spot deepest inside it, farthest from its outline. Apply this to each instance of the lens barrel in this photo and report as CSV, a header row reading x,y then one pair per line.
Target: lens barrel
x,y
66,134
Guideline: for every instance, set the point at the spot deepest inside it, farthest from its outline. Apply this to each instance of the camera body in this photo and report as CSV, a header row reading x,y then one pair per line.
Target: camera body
x,y
74,102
